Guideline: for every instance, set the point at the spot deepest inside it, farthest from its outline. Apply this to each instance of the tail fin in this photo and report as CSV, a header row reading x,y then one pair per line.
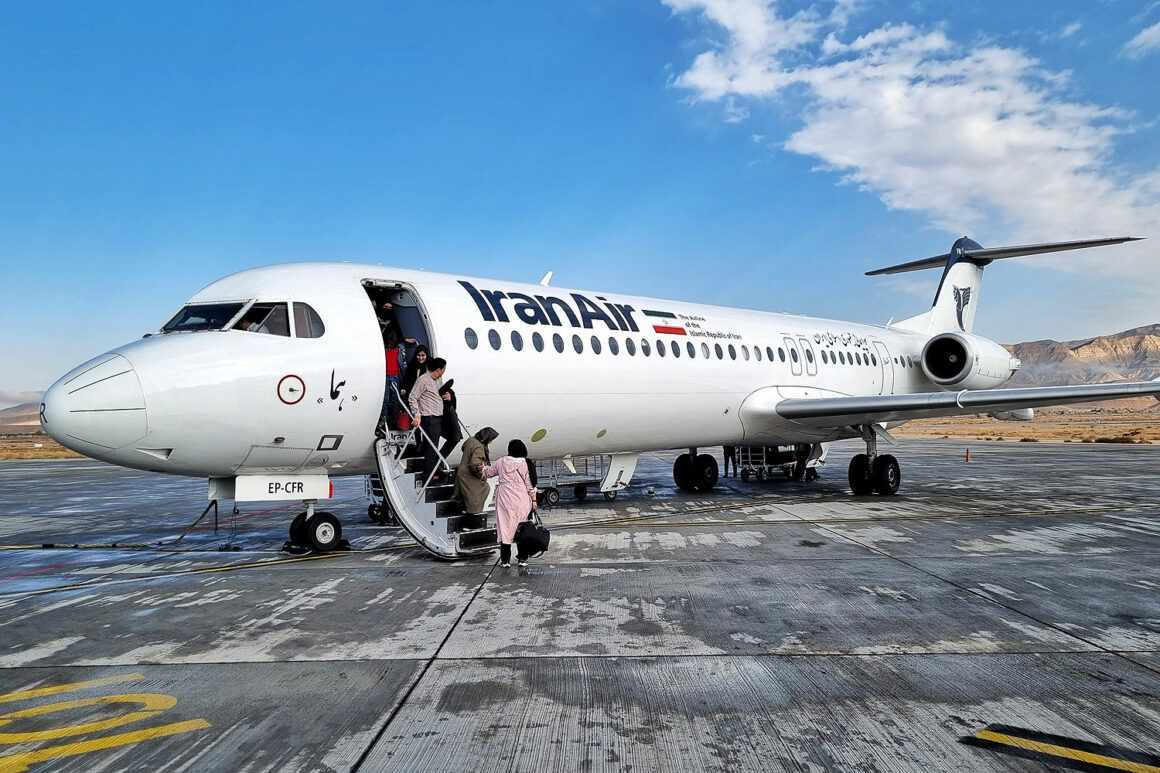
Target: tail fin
x,y
957,296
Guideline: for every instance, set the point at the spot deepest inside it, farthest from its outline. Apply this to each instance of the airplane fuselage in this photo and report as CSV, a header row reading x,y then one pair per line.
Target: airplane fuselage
x,y
567,371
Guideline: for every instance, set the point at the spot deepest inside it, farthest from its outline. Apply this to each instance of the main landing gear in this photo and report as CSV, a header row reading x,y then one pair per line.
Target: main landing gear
x,y
695,473
318,531
871,472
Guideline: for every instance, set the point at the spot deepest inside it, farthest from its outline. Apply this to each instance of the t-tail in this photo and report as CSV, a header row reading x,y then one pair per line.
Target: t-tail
x,y
957,297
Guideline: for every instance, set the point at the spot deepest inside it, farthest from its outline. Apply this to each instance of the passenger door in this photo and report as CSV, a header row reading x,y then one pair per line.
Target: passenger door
x,y
795,357
811,359
887,386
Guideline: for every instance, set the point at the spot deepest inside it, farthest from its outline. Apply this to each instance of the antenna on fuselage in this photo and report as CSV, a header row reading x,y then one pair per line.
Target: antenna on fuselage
x,y
546,279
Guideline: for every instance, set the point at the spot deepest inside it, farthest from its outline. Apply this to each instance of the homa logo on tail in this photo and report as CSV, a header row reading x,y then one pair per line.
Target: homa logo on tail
x,y
962,298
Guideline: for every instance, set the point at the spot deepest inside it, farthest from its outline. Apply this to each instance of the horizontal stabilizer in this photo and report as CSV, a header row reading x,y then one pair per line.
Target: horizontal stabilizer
x,y
982,255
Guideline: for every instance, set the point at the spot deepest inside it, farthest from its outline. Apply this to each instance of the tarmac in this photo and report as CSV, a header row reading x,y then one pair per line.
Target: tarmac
x,y
998,614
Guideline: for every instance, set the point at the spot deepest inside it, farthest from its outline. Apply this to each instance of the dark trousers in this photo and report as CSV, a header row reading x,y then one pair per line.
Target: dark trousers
x,y
433,426
451,432
505,553
730,456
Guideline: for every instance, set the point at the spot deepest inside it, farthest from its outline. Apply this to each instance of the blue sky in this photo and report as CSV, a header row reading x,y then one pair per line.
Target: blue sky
x,y
742,152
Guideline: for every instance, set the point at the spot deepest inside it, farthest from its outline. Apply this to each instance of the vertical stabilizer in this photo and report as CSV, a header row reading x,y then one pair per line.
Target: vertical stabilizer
x,y
957,296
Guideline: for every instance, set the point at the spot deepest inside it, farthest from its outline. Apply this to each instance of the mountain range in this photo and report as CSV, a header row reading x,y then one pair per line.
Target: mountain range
x,y
1133,355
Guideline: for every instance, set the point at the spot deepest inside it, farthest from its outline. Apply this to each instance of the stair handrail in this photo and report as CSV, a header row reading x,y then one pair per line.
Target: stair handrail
x,y
417,425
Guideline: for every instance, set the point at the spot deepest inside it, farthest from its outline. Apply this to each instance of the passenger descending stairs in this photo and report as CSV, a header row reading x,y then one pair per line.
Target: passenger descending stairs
x,y
431,515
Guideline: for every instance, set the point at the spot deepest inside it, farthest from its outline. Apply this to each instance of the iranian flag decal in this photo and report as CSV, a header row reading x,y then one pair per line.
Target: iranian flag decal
x,y
664,322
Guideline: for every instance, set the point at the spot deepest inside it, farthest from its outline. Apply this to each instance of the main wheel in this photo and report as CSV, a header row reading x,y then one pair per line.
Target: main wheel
x,y
860,482
683,473
298,530
324,532
886,475
705,470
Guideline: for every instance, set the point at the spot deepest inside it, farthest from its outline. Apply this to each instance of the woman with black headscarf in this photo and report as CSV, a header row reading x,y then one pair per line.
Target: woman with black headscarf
x,y
416,366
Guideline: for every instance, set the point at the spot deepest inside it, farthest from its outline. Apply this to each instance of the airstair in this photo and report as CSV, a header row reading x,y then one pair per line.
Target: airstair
x,y
426,509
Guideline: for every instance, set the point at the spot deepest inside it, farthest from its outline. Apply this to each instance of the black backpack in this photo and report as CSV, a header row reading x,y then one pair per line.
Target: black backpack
x,y
531,537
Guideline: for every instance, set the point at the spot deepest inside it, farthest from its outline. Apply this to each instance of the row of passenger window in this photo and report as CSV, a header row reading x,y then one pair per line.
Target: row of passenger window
x,y
840,357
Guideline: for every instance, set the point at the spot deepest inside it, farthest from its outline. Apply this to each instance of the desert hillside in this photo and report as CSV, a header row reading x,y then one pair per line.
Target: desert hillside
x,y
20,419
1132,355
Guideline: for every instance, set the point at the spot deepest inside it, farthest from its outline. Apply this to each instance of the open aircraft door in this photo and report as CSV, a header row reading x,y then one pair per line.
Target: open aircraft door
x,y
886,386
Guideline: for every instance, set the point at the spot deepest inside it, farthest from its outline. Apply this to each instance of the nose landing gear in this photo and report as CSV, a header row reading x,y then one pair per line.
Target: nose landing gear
x,y
317,531
870,472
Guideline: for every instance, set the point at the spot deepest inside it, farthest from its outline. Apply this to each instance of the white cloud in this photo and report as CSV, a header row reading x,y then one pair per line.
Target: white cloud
x,y
1069,30
1145,42
981,139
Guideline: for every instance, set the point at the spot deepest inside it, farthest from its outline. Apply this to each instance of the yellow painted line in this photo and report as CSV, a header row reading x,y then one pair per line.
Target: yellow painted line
x,y
17,763
152,705
1055,750
40,692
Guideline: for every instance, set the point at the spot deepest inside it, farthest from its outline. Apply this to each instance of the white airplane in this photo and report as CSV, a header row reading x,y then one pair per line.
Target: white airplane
x,y
271,381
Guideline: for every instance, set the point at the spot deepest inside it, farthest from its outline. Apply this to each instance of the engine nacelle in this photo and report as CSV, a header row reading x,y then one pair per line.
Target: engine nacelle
x,y
965,361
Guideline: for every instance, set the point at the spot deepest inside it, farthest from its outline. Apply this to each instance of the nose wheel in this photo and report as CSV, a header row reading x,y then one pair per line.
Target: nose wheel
x,y
319,531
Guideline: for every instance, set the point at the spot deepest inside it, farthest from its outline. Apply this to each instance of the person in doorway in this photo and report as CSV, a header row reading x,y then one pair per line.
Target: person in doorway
x,y
730,453
396,366
515,498
470,478
415,368
426,405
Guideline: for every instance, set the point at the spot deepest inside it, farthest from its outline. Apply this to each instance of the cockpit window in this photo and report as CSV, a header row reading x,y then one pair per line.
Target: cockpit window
x,y
269,318
202,316
307,323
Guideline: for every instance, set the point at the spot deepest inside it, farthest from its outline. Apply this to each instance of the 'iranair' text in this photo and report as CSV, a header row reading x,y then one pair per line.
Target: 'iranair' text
x,y
551,309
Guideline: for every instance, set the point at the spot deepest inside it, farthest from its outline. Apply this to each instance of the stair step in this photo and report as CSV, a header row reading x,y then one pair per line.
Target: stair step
x,y
463,522
448,507
478,541
440,492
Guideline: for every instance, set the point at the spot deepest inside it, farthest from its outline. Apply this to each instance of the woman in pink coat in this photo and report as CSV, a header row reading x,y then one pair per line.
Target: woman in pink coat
x,y
515,496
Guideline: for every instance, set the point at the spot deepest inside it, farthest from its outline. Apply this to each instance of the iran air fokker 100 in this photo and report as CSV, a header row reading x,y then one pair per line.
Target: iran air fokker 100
x,y
271,381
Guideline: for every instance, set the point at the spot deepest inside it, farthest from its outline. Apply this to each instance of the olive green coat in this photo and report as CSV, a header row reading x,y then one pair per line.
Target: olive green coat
x,y
470,484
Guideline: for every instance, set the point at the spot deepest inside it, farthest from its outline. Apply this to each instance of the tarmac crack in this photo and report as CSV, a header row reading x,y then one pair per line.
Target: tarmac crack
x,y
362,758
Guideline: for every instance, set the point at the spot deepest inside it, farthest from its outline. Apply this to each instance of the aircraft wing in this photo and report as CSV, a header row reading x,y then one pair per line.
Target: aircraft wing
x,y
842,411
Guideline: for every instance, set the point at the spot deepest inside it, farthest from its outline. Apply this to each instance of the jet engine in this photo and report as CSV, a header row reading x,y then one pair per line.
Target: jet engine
x,y
965,361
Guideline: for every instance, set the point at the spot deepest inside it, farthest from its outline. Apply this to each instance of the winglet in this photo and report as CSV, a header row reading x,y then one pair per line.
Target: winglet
x,y
546,279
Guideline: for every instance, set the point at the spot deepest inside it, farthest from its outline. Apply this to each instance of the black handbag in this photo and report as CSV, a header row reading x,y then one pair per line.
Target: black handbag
x,y
531,537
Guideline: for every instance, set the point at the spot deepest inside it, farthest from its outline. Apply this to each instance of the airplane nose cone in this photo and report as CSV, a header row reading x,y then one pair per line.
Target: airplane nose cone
x,y
97,406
